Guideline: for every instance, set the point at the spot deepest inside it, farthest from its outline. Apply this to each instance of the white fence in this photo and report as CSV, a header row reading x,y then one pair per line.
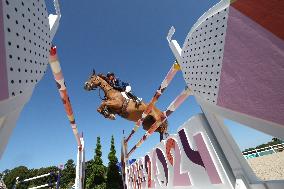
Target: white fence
x,y
264,151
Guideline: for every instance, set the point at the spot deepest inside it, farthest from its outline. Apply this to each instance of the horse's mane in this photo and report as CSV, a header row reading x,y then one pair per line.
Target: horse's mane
x,y
103,77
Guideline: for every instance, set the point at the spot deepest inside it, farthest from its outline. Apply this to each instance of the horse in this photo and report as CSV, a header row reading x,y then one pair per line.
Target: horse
x,y
115,103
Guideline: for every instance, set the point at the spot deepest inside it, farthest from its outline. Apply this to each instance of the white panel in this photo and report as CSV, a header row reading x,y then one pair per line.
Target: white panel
x,y
202,55
6,128
198,175
27,41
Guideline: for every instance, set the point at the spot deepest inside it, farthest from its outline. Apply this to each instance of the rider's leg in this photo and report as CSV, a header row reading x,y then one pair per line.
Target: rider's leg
x,y
128,89
124,94
132,96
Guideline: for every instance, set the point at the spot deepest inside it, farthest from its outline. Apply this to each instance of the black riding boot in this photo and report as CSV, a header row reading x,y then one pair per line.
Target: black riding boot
x,y
135,98
132,96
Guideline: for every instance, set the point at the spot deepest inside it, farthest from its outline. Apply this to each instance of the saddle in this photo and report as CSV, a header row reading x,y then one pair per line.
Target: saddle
x,y
123,113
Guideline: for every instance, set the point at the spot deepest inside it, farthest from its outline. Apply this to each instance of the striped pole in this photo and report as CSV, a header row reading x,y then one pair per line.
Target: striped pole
x,y
58,76
172,72
123,163
172,107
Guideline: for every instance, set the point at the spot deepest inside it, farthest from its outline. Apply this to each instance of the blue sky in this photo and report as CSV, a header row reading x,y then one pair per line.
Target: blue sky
x,y
127,37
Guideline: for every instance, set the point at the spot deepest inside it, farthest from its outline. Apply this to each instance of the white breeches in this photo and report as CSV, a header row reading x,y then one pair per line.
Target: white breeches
x,y
124,95
127,90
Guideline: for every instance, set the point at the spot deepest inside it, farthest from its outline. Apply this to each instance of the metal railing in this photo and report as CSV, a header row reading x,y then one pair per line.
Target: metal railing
x,y
258,152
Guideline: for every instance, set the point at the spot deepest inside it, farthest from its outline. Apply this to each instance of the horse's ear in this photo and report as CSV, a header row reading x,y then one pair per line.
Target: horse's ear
x,y
94,72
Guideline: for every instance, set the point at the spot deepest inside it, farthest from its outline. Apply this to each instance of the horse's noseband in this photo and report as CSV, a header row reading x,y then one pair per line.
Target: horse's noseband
x,y
88,86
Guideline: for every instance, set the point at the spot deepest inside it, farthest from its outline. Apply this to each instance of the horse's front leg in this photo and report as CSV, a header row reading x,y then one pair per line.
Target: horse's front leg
x,y
101,108
104,110
109,106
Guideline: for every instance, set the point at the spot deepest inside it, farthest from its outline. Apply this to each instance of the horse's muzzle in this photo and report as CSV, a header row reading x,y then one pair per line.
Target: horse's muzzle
x,y
87,86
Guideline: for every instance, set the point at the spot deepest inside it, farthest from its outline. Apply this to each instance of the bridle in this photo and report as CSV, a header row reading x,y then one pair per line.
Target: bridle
x,y
99,84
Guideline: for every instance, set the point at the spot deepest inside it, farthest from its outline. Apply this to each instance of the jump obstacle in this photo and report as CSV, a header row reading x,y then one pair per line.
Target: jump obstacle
x,y
60,82
172,107
155,98
203,154
17,86
50,184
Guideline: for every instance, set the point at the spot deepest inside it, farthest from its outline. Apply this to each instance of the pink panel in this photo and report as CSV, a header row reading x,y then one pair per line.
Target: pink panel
x,y
207,160
252,77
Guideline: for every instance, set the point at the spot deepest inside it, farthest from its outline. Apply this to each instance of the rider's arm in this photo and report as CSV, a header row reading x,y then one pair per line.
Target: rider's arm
x,y
124,84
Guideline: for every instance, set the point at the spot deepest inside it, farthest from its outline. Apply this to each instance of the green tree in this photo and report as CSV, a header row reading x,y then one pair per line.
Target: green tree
x,y
101,186
97,175
68,174
10,177
277,141
43,180
273,141
88,170
113,177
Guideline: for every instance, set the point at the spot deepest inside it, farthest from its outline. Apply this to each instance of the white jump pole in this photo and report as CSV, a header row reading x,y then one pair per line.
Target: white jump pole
x,y
40,176
80,168
44,185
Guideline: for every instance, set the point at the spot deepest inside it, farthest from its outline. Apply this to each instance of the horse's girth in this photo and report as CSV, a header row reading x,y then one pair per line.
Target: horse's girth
x,y
123,113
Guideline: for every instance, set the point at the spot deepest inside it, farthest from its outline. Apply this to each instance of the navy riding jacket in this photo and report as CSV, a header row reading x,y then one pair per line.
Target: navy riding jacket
x,y
119,85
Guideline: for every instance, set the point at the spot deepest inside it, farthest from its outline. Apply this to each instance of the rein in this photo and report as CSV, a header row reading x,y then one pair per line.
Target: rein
x,y
100,95
105,93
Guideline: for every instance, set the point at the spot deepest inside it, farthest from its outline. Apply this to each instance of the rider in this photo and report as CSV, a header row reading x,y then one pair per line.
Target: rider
x,y
121,86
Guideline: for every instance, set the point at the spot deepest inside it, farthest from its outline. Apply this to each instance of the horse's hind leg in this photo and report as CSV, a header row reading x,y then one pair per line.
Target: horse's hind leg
x,y
161,136
164,130
166,134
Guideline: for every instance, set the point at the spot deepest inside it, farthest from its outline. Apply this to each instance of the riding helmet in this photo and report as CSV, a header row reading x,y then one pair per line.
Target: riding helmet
x,y
110,74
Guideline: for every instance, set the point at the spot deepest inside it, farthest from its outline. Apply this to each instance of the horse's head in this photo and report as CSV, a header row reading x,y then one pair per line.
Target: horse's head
x,y
93,82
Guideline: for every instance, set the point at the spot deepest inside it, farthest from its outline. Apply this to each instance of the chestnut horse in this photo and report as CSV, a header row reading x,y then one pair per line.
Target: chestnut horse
x,y
115,103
